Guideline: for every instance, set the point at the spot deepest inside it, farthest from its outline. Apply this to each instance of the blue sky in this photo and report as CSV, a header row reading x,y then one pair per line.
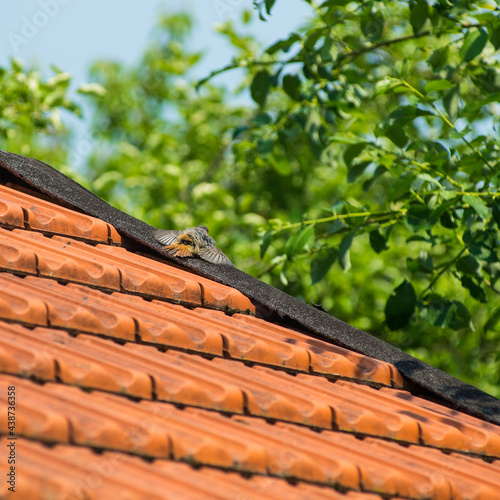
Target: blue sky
x,y
71,34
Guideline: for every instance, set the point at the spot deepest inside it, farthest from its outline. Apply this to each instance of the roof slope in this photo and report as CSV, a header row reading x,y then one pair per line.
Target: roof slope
x,y
269,300
136,378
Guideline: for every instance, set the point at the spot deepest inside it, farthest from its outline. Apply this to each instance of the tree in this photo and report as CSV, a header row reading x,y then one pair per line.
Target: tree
x,y
397,103
368,164
31,109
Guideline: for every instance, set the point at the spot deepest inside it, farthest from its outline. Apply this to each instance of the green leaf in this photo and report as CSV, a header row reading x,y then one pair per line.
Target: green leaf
x,y
260,87
496,213
400,306
285,44
473,44
322,263
417,217
475,290
475,106
298,241
439,58
291,85
387,85
401,186
353,151
372,24
344,251
397,136
469,265
425,264
312,37
341,138
265,242
477,204
265,146
419,11
492,320
356,169
446,314
436,85
329,51
269,5
451,102
92,89
378,241
495,37
428,178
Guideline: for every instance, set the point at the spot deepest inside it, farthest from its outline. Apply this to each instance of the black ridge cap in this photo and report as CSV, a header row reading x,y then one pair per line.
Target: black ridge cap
x,y
460,395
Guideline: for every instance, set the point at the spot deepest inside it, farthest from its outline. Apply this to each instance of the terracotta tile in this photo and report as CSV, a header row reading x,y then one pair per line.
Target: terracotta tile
x,y
60,258
114,237
43,475
146,276
70,472
15,257
180,378
290,455
465,478
17,303
469,477
270,393
349,413
51,218
213,294
78,362
205,438
324,357
90,366
444,427
11,214
34,419
83,309
308,491
361,409
133,478
230,486
169,324
69,309
95,419
255,346
73,472
223,297
20,356
240,443
252,445
391,472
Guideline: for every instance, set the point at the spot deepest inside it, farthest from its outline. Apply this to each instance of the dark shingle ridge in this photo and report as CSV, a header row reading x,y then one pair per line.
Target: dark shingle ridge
x,y
62,189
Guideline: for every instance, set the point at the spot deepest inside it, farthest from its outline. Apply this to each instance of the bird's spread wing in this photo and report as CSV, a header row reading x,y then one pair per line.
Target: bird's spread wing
x,y
213,254
167,236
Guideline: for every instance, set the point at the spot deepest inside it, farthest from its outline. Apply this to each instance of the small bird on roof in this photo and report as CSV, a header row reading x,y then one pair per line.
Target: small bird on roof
x,y
192,242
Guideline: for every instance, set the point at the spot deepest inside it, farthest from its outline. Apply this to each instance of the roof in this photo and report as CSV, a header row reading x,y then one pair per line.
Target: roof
x,y
139,376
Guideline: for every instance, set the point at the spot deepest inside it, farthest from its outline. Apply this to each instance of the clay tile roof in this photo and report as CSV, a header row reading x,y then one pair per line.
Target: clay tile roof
x,y
136,376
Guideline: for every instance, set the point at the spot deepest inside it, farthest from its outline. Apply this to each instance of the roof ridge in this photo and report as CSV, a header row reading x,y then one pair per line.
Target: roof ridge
x,y
64,190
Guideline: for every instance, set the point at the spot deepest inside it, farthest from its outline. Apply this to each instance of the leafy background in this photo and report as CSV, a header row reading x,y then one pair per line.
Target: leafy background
x,y
364,177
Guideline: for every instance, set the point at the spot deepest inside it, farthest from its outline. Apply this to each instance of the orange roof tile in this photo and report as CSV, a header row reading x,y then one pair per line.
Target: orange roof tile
x,y
41,215
134,377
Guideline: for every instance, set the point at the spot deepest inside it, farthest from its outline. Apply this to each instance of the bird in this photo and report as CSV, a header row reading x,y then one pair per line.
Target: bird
x,y
191,242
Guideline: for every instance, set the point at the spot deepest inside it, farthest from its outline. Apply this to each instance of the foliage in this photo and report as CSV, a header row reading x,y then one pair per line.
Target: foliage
x,y
368,162
160,148
397,105
31,109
